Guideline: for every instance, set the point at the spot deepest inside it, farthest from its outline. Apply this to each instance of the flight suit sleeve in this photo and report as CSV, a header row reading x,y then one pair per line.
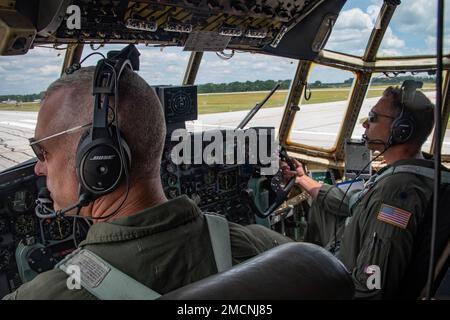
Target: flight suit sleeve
x,y
388,227
251,240
331,200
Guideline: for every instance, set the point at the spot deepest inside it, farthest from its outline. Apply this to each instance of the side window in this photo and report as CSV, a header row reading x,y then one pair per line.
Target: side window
x,y
353,27
24,78
317,124
379,83
229,87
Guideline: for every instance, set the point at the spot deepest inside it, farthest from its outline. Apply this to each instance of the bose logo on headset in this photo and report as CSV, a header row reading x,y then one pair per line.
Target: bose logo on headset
x,y
103,157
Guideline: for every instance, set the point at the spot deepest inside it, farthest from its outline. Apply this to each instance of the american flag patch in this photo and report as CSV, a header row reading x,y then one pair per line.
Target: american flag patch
x,y
393,215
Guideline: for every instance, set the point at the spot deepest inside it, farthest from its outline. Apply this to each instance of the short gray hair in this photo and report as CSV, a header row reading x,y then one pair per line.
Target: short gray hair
x,y
421,109
140,116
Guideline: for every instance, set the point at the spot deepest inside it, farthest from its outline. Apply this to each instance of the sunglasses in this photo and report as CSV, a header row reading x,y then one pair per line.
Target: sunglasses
x,y
40,151
373,116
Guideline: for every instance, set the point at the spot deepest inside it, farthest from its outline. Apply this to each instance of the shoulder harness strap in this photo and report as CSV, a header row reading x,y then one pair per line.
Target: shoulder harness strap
x,y
219,233
106,282
418,170
423,171
102,280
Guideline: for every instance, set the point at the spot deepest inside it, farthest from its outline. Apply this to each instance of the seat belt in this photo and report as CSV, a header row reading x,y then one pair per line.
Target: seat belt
x,y
219,233
105,282
423,171
101,279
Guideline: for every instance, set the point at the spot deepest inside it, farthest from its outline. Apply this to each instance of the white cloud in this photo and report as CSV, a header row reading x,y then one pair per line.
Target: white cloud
x,y
243,67
416,16
411,30
30,73
415,23
391,45
352,30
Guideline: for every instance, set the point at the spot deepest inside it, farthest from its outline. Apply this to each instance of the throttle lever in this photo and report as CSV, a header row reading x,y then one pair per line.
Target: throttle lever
x,y
286,158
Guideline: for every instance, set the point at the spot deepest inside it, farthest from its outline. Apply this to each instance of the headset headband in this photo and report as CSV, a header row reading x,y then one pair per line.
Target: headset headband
x,y
106,73
409,89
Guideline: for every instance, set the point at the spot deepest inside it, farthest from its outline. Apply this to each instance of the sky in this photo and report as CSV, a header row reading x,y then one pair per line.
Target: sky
x,y
411,32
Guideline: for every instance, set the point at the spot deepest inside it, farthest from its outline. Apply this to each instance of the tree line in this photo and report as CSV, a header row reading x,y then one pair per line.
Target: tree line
x,y
284,84
22,97
236,86
257,85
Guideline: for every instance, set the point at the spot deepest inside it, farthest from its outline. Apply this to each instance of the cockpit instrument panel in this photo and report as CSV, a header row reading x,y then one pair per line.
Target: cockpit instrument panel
x,y
51,239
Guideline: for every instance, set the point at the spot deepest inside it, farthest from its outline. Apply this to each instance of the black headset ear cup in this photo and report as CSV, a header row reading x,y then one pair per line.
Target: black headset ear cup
x,y
123,143
402,129
100,167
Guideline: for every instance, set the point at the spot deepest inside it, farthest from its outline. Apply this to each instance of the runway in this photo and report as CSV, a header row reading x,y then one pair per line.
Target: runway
x,y
315,124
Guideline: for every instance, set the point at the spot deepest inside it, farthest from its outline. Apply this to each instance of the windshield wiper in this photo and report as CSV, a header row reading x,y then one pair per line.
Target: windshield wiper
x,y
256,108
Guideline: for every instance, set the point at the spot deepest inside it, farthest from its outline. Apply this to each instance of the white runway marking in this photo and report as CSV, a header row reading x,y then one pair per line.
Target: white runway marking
x,y
19,124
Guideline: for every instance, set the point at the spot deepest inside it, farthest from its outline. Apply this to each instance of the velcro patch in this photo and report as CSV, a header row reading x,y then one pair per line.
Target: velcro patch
x,y
92,269
395,216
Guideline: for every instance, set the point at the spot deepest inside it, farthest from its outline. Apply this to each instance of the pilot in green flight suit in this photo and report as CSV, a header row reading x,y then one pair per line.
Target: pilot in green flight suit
x,y
161,244
375,228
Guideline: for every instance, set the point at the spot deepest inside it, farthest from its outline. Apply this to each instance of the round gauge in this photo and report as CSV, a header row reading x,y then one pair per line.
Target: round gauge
x,y
5,258
172,193
185,166
21,201
171,168
172,180
209,177
59,228
24,224
181,103
227,181
3,226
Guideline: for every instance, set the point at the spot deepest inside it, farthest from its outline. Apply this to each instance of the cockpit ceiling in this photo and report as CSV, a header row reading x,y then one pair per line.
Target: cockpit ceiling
x,y
290,28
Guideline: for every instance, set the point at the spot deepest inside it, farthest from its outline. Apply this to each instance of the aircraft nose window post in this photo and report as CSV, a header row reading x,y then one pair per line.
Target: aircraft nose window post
x,y
166,151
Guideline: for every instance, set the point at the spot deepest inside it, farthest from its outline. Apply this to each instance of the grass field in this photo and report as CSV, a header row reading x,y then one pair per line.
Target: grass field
x,y
214,103
20,107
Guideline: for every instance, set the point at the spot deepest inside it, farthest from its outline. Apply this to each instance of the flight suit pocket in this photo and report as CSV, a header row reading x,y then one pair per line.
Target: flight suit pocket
x,y
372,262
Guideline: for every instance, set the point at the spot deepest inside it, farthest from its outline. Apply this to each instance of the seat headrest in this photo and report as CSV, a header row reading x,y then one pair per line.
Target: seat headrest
x,y
289,271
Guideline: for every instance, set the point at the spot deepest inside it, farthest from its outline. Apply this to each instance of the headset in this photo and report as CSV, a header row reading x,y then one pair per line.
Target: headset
x,y
403,126
103,157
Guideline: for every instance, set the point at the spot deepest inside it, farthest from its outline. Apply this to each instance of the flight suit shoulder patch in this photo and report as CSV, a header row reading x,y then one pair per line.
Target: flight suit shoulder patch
x,y
393,215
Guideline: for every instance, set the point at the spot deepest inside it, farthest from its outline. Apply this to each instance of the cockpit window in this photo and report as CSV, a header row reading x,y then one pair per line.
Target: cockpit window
x,y
412,30
230,84
446,143
353,26
379,82
158,65
29,74
318,122
23,81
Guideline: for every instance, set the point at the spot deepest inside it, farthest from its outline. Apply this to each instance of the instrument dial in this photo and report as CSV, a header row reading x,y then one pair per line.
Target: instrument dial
x,y
173,193
24,224
59,228
171,168
21,201
5,258
3,226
